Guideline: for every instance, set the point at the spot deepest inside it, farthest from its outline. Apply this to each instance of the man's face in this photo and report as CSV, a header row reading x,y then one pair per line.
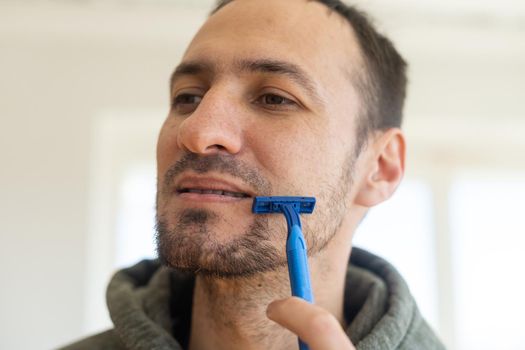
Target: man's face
x,y
263,104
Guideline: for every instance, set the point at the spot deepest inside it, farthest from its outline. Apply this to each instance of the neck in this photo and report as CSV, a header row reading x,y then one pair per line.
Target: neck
x,y
231,313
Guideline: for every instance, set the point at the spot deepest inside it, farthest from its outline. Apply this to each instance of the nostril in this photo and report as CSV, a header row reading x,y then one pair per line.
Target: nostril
x,y
215,149
219,147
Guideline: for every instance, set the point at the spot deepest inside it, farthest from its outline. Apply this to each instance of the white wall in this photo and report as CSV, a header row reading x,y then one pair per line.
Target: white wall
x,y
62,64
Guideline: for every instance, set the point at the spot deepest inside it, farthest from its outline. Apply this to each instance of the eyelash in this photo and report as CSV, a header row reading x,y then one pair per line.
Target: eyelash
x,y
286,100
286,104
176,100
178,104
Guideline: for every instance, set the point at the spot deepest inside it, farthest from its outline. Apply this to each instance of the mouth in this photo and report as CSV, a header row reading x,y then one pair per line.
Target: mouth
x,y
216,192
210,189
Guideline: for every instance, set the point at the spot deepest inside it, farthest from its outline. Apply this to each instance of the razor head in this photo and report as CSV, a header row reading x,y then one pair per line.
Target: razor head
x,y
268,205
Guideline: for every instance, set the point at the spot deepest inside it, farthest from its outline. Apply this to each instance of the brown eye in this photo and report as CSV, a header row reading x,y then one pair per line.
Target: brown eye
x,y
272,99
186,103
276,102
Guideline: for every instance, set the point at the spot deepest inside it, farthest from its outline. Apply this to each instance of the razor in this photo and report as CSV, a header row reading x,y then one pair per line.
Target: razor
x,y
296,250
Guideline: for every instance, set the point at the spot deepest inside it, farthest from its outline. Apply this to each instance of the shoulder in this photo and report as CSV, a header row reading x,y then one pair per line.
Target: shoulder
x,y
107,340
420,335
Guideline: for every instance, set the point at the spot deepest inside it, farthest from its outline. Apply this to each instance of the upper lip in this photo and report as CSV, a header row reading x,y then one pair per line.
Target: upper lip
x,y
210,183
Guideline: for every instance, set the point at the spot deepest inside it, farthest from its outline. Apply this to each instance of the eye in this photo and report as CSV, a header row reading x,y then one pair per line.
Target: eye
x,y
274,101
186,103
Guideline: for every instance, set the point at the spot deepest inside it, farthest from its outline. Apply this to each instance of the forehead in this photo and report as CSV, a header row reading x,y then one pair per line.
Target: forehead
x,y
302,32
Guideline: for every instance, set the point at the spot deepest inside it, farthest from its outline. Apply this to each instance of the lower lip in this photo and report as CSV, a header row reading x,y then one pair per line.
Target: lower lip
x,y
198,197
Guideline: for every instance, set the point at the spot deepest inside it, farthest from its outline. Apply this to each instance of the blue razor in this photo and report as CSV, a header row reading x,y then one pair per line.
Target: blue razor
x,y
296,250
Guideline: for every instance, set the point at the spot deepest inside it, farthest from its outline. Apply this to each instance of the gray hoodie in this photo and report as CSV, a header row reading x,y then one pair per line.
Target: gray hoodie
x,y
150,306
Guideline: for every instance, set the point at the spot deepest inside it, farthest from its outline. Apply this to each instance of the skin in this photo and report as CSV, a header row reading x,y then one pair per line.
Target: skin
x,y
298,145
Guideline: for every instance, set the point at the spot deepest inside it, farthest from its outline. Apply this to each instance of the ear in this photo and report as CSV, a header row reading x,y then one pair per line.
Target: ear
x,y
386,167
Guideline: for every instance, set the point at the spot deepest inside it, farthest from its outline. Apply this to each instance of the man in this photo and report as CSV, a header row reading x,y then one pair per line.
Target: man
x,y
272,97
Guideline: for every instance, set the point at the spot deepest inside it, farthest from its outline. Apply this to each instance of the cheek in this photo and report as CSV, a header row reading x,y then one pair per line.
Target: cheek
x,y
296,160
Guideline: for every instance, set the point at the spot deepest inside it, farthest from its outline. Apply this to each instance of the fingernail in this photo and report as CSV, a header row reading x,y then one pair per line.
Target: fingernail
x,y
270,309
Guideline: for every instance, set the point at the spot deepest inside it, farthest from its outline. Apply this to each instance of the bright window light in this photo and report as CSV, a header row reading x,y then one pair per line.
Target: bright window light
x,y
488,234
135,225
401,231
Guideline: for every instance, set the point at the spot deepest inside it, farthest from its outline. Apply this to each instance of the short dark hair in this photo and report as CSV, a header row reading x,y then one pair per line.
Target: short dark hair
x,y
383,86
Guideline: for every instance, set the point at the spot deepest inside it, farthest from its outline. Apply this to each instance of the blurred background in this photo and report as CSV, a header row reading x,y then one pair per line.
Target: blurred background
x,y
84,90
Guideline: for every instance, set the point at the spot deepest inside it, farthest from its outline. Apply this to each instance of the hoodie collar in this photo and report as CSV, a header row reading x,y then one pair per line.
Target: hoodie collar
x,y
150,305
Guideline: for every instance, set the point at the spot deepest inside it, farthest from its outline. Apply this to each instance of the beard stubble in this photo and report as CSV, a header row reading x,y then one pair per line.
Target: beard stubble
x,y
191,245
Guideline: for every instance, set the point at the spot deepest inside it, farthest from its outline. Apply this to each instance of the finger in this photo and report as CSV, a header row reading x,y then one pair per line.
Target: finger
x,y
314,325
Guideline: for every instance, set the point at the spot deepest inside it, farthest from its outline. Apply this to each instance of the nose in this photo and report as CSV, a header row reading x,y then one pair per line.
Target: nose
x,y
213,127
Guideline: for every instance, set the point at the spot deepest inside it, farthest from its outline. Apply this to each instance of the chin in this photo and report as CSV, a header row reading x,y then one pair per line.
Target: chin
x,y
202,242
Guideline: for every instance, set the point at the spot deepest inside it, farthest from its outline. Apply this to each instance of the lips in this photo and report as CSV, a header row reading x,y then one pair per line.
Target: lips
x,y
215,192
209,186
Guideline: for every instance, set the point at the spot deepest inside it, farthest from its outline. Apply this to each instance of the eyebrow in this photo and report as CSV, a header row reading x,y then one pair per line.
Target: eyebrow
x,y
268,66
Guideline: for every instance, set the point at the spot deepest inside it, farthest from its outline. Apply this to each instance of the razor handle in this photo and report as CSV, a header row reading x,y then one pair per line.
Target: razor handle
x,y
299,273
296,250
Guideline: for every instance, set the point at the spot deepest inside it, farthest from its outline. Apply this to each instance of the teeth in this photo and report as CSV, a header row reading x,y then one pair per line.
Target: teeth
x,y
216,192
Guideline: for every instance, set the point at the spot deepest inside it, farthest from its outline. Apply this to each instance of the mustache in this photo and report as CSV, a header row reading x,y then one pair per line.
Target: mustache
x,y
219,163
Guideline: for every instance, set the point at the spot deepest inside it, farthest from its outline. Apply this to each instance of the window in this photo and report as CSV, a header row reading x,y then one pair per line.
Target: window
x,y
488,235
136,216
401,231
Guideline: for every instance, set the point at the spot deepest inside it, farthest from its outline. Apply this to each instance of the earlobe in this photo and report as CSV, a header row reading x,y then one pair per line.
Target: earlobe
x,y
386,167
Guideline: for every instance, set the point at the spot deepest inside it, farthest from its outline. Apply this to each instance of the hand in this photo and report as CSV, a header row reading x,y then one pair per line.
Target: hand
x,y
314,325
